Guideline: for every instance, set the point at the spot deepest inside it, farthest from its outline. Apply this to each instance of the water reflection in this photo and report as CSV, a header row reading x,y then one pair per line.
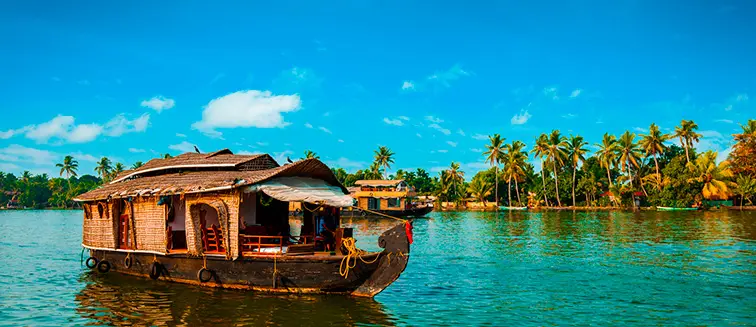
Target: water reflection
x,y
117,300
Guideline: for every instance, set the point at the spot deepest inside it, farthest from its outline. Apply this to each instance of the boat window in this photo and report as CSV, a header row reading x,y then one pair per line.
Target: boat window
x,y
101,210
393,202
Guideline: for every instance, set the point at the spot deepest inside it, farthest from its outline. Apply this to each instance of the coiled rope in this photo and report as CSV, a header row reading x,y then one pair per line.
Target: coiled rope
x,y
350,259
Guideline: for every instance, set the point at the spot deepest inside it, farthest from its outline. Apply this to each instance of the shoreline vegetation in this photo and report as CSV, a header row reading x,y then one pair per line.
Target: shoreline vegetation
x,y
626,172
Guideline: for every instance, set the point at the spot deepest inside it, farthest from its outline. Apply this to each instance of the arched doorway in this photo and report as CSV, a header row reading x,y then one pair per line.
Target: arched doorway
x,y
211,229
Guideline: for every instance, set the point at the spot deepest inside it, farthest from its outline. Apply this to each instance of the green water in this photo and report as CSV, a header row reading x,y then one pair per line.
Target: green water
x,y
479,269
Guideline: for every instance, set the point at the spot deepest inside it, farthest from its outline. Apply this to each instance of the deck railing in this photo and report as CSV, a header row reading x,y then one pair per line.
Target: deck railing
x,y
254,243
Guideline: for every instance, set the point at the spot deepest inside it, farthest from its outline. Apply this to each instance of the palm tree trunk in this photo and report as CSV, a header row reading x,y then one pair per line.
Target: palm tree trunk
x,y
556,185
496,180
574,171
685,146
656,162
543,179
509,190
609,175
517,188
742,199
632,192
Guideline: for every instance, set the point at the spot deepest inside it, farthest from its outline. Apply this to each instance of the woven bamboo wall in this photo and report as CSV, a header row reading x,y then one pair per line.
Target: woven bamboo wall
x,y
231,201
149,225
98,230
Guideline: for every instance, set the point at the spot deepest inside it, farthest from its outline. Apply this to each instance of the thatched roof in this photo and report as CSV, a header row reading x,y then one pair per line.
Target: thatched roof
x,y
207,181
219,160
378,182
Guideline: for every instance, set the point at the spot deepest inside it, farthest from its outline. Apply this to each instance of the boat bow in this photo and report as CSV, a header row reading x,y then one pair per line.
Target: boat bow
x,y
393,260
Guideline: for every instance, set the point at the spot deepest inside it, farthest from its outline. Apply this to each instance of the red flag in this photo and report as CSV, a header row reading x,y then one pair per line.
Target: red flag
x,y
408,230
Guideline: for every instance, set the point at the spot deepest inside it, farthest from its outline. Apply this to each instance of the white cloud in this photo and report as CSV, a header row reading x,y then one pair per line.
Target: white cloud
x,y
119,125
724,121
521,118
325,129
728,107
341,141
184,146
261,143
477,150
135,150
158,103
88,157
64,128
418,135
244,152
308,125
346,163
741,97
444,78
551,92
408,85
443,151
599,121
453,144
180,135
403,118
440,129
575,93
461,132
569,116
395,122
12,132
640,129
435,120
480,136
250,108
21,154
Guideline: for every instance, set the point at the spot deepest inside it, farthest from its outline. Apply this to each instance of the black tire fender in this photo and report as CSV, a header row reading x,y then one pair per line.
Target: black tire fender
x,y
205,272
91,262
156,270
103,266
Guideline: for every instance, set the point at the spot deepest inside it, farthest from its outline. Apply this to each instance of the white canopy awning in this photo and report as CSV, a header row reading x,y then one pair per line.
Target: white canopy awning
x,y
303,189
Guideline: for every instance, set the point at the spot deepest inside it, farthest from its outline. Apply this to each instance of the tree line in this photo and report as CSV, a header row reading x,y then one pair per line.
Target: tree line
x,y
622,168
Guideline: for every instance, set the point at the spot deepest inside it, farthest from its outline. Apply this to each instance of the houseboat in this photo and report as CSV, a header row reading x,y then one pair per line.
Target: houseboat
x,y
222,220
387,197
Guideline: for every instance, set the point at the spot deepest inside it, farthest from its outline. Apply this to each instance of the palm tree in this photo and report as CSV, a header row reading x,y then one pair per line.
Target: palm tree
x,y
494,153
514,167
656,180
137,165
374,172
745,187
686,132
557,145
576,153
103,168
311,155
384,158
118,168
589,183
167,156
713,176
629,156
68,166
607,154
653,143
454,179
541,150
479,189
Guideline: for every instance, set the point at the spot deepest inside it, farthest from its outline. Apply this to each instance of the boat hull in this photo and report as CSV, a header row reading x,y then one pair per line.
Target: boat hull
x,y
320,274
414,212
503,208
675,209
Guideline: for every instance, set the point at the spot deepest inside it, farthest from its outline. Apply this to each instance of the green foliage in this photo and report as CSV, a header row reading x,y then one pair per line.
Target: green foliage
x,y
40,191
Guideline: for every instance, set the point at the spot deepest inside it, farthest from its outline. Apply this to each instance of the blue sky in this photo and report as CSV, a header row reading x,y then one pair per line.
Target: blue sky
x,y
428,79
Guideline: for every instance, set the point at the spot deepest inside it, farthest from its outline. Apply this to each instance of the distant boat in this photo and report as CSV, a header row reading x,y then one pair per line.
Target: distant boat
x,y
504,208
675,209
